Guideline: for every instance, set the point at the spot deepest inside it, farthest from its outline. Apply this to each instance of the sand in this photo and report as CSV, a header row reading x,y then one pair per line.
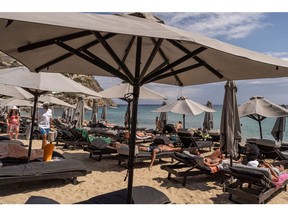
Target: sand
x,y
107,176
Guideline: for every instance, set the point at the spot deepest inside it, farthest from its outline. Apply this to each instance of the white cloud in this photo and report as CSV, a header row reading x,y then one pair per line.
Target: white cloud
x,y
228,25
282,55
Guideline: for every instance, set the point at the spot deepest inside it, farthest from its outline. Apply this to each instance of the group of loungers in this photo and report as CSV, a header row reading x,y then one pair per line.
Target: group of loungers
x,y
249,184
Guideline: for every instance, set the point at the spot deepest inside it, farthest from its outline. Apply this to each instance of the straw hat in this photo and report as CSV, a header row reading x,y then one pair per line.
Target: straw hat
x,y
14,107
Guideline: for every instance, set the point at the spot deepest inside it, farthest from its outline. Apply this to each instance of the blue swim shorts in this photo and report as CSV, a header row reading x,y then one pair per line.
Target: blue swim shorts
x,y
44,131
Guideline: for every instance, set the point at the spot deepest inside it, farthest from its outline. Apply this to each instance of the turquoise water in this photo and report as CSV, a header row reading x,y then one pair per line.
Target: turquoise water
x,y
146,119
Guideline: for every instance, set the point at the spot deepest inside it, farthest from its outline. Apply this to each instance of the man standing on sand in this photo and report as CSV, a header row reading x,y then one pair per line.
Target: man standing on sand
x,y
44,122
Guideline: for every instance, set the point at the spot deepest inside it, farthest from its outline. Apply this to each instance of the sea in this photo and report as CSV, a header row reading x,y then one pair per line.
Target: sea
x,y
146,119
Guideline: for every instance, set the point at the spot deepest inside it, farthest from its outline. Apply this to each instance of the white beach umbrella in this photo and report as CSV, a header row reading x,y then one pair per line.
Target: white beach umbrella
x,y
104,113
94,116
138,48
258,108
163,117
79,113
230,129
54,101
125,90
208,118
17,102
185,107
14,91
38,84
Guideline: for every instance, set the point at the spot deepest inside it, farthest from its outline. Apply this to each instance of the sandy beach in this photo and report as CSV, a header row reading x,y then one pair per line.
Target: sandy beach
x,y
107,176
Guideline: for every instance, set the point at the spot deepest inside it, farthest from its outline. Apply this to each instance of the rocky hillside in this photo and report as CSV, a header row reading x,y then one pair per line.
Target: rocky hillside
x,y
88,81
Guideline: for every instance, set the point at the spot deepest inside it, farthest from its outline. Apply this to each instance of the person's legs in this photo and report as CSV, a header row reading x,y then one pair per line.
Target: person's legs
x,y
153,157
16,133
216,154
44,132
11,135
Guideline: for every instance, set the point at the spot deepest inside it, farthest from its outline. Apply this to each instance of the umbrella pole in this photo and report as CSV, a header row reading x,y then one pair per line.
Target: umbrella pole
x,y
184,121
36,95
132,143
260,129
136,92
129,114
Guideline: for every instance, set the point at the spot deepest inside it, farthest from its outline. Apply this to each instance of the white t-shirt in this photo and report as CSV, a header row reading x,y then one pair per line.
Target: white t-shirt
x,y
253,163
44,116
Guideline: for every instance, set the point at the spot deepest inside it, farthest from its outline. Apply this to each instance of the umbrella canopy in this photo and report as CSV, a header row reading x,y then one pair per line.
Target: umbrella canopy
x,y
185,107
104,113
279,128
17,102
54,101
163,118
85,106
14,91
258,108
78,115
113,45
94,117
208,118
125,90
42,82
230,129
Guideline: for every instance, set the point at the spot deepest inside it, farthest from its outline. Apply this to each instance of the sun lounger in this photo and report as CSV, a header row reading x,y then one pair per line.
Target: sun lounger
x,y
188,165
188,140
100,146
34,171
253,185
271,149
140,195
123,155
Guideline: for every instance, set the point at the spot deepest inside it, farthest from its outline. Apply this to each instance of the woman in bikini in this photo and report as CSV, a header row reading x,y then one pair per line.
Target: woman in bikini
x,y
13,122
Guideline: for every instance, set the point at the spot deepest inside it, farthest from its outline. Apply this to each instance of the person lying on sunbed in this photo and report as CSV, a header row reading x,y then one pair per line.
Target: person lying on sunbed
x,y
16,150
216,161
159,148
143,135
278,174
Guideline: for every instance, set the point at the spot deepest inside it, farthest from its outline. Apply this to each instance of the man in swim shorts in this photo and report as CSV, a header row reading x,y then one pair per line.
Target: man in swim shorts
x,y
159,148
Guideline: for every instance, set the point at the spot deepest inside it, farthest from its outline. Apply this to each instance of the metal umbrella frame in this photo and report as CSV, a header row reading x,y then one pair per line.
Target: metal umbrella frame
x,y
138,48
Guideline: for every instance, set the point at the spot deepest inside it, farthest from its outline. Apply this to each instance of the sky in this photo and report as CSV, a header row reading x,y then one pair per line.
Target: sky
x,y
266,33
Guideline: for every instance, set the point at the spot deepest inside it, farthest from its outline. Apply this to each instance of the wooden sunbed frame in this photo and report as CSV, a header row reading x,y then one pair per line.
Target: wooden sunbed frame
x,y
252,186
187,167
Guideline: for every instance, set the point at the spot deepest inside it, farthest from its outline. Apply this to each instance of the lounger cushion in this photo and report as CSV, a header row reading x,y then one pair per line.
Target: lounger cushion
x,y
160,140
124,150
42,168
252,174
198,160
101,142
267,142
